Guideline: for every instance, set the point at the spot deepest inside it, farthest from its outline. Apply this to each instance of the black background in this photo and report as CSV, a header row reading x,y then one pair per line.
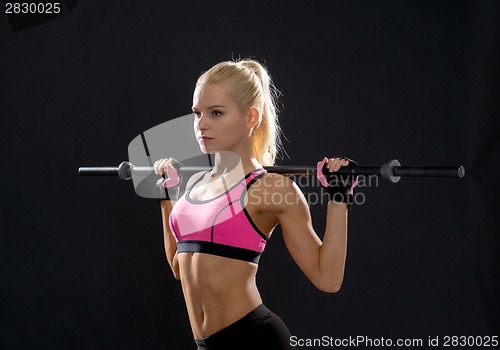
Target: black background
x,y
82,261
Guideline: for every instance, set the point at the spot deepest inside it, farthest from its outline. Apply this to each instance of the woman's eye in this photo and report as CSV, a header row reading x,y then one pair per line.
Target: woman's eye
x,y
216,113
197,114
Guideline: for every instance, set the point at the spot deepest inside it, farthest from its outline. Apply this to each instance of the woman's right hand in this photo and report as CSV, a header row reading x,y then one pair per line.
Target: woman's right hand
x,y
161,165
172,177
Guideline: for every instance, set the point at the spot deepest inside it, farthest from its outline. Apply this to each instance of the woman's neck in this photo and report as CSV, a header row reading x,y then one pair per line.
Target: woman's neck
x,y
226,162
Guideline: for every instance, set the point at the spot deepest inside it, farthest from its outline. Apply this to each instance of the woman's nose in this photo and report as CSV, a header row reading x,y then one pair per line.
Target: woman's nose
x,y
202,122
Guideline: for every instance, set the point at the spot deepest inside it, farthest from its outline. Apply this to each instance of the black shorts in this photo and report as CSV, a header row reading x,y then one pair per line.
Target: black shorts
x,y
260,329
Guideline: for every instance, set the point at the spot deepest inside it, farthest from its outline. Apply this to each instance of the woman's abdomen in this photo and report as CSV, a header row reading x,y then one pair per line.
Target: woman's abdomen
x,y
218,291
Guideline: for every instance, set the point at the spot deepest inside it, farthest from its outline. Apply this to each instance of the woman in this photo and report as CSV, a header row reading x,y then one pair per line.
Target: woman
x,y
215,233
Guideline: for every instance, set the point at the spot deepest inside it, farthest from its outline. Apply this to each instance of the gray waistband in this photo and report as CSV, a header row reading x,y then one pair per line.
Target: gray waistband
x,y
201,344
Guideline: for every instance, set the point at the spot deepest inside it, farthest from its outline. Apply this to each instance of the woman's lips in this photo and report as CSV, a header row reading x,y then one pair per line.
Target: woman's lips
x,y
204,138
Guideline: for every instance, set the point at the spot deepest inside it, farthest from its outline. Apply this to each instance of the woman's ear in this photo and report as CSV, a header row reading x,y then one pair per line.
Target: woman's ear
x,y
253,118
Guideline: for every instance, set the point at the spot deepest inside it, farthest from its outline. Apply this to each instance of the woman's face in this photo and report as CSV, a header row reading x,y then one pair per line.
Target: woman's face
x,y
219,125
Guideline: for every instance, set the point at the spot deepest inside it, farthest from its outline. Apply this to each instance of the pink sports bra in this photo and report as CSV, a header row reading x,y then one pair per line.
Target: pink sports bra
x,y
219,226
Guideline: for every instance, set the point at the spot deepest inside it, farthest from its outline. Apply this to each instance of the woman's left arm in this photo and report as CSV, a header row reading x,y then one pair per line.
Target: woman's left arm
x,y
323,262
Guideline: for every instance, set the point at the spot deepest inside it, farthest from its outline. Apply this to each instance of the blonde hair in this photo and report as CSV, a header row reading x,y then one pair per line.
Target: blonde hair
x,y
252,86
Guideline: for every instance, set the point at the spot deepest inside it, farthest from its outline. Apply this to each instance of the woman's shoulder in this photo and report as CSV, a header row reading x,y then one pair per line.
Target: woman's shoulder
x,y
276,193
277,183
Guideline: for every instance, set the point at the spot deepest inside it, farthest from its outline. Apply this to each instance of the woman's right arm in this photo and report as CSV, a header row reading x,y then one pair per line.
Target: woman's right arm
x,y
169,241
160,167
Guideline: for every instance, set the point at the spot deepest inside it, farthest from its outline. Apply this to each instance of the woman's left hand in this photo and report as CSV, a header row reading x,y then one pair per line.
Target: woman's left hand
x,y
334,164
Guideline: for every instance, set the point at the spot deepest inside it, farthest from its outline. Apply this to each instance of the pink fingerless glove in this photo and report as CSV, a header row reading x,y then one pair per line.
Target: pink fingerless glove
x,y
173,179
169,185
341,187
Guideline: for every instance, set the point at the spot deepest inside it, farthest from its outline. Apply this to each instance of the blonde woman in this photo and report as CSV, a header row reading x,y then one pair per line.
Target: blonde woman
x,y
216,232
